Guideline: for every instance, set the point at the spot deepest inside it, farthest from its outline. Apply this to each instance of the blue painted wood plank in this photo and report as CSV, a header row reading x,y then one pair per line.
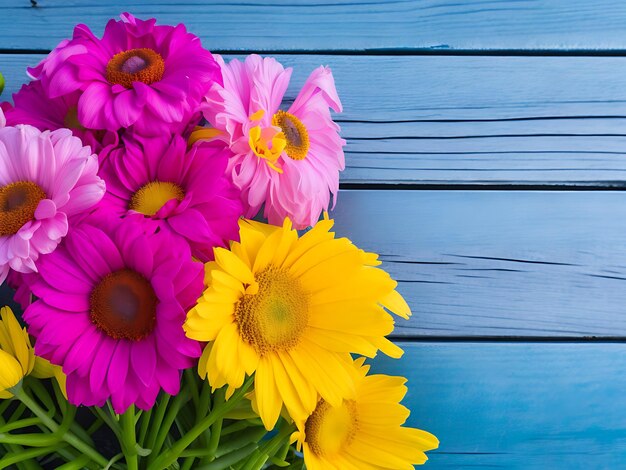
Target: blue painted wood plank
x,y
464,120
498,263
517,405
345,24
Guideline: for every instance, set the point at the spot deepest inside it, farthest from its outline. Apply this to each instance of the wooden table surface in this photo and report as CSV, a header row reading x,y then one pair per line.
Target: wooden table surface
x,y
486,162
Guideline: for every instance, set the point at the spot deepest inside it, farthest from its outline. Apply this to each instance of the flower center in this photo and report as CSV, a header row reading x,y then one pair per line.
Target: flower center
x,y
274,318
123,305
267,144
330,429
152,196
18,203
295,133
135,65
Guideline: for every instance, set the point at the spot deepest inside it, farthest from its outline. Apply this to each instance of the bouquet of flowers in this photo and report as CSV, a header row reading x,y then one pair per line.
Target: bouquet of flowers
x,y
181,303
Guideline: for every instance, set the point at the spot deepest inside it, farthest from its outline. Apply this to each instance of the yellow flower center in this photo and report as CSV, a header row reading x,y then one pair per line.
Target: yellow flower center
x,y
18,203
135,65
295,133
268,145
274,318
123,305
152,196
330,429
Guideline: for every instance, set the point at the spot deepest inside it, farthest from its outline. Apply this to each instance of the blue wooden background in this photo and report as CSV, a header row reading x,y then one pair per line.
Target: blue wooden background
x,y
486,163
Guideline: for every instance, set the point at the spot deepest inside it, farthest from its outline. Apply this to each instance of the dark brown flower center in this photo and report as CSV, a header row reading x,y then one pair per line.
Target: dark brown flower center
x,y
18,203
135,65
123,305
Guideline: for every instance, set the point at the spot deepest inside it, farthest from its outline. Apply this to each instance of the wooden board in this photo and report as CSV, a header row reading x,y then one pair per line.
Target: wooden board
x,y
517,406
407,25
420,120
498,263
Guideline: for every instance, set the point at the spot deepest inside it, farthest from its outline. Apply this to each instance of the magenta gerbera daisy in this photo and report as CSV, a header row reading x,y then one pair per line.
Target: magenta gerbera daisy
x,y
31,105
288,160
184,189
110,309
45,177
139,74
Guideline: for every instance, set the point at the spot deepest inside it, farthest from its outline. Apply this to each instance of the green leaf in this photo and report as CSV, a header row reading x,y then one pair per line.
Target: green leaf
x,y
141,451
1,83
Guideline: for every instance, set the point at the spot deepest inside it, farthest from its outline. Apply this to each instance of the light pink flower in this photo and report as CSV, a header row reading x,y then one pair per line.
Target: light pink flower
x,y
288,160
45,177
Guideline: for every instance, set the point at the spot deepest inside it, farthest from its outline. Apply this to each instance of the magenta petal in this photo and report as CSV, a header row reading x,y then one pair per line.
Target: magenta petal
x,y
170,380
81,351
119,366
143,357
101,362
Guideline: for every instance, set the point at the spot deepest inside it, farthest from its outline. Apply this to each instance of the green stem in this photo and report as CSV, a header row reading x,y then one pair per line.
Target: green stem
x,y
170,417
172,454
26,455
158,419
216,429
129,439
143,429
269,448
68,437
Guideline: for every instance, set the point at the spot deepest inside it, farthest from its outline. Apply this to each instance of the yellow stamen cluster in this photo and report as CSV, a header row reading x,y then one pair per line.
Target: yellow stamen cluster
x,y
275,317
152,196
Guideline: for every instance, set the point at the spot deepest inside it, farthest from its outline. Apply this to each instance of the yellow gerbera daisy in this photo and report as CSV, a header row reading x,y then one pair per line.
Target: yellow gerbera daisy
x,y
365,433
290,310
17,357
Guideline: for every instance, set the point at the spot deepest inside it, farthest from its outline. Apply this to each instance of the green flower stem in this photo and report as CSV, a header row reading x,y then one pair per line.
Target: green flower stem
x,y
216,429
143,429
68,437
76,464
167,423
188,463
129,439
269,448
22,423
195,396
26,455
171,455
236,427
157,420
15,449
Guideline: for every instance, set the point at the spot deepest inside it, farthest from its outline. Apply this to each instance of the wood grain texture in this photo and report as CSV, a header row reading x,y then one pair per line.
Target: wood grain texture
x,y
498,263
345,24
517,406
467,120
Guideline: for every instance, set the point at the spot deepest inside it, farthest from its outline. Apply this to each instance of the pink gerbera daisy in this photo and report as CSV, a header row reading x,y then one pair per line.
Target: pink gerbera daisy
x,y
31,105
110,309
45,177
185,190
289,160
139,74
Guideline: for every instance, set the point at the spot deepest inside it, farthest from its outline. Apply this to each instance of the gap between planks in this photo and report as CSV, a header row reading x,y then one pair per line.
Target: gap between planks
x,y
418,121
